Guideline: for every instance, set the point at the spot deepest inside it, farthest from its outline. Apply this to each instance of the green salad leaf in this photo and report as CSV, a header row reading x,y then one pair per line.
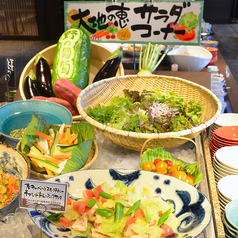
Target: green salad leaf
x,y
151,154
79,157
148,112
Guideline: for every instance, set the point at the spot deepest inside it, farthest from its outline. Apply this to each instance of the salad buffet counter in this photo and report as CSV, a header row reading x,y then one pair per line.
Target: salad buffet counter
x,y
114,156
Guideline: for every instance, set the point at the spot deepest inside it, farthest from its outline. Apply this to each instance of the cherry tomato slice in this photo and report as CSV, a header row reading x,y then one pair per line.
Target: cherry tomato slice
x,y
167,230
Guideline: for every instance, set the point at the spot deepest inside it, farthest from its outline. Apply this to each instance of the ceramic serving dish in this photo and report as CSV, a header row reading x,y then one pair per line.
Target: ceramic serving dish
x,y
191,207
17,165
17,115
190,58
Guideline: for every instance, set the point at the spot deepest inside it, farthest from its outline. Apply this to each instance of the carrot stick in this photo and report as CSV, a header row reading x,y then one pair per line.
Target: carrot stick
x,y
64,141
39,147
60,156
72,138
47,137
44,157
50,143
34,162
49,172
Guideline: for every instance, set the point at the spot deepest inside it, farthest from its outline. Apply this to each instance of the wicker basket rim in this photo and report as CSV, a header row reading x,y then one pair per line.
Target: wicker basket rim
x,y
144,135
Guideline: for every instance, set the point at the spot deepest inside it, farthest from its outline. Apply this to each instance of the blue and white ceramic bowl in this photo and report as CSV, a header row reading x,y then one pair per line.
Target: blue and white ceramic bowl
x,y
191,207
16,164
16,115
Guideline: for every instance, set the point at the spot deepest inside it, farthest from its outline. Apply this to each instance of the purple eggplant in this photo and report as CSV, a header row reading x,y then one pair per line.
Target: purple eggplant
x,y
109,69
30,86
43,75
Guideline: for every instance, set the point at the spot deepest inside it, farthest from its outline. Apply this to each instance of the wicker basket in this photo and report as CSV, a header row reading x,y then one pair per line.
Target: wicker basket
x,y
102,91
171,139
100,54
91,159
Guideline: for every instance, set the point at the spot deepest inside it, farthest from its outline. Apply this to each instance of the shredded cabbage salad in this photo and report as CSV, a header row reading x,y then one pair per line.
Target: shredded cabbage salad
x,y
118,211
148,112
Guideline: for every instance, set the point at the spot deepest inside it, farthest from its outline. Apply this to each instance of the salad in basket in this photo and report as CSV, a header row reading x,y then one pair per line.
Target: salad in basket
x,y
148,112
118,211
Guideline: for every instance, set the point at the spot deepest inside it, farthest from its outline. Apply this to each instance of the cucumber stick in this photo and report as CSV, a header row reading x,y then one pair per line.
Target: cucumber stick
x,y
72,58
47,164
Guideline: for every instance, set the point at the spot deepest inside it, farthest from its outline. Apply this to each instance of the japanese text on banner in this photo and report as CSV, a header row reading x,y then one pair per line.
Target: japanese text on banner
x,y
137,22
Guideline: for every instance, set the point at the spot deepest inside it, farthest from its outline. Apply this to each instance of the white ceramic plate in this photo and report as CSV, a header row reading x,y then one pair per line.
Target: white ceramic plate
x,y
191,207
227,119
224,169
228,156
227,186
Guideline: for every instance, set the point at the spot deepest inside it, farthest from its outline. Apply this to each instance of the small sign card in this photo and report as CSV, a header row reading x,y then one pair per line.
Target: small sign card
x,y
52,195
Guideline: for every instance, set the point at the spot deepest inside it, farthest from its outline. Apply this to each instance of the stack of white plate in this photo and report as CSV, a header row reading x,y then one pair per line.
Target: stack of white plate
x,y
225,119
227,190
225,162
230,219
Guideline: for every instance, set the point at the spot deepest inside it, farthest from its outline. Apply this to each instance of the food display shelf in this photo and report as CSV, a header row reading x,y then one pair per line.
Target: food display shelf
x,y
110,154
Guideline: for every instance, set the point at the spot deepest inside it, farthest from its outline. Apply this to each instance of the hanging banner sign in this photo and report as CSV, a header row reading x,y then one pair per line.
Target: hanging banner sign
x,y
170,23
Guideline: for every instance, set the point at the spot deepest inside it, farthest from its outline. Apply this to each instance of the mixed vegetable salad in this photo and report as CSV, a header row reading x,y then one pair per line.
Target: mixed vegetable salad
x,y
118,211
54,149
9,187
148,112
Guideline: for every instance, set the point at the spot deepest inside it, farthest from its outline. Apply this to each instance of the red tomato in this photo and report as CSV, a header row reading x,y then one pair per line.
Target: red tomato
x,y
189,179
169,174
88,193
96,225
130,221
139,213
69,201
80,206
65,222
97,190
157,160
167,230
185,33
113,36
180,175
148,166
108,37
169,162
